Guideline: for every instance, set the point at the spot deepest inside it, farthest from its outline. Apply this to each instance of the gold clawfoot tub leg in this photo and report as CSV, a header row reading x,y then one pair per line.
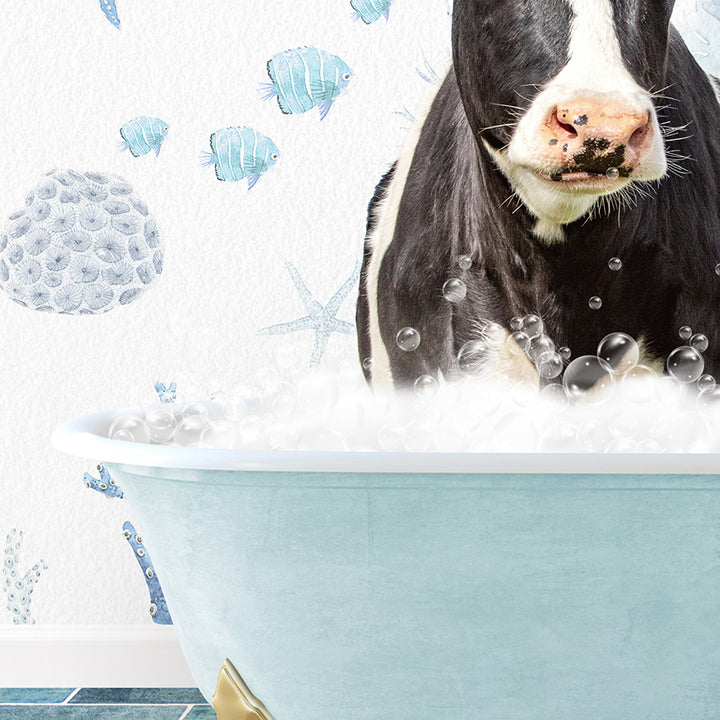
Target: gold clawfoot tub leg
x,y
233,700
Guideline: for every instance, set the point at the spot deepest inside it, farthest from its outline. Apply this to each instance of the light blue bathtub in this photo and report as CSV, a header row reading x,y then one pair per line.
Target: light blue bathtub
x,y
426,586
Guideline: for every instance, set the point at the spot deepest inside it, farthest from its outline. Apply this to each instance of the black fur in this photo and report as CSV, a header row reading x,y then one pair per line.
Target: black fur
x,y
454,205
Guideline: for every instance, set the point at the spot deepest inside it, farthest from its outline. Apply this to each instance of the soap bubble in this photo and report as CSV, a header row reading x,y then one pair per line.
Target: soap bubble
x,y
408,339
367,363
595,302
516,323
195,408
517,343
234,408
565,353
699,342
532,326
161,421
189,429
685,364
555,392
425,386
249,430
465,262
619,351
623,425
131,428
454,290
550,367
589,380
717,269
219,434
639,384
391,437
615,263
706,383
685,332
612,173
476,356
541,348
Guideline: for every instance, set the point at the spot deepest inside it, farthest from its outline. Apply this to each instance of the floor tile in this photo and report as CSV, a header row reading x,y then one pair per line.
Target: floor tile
x,y
90,712
201,712
34,695
178,696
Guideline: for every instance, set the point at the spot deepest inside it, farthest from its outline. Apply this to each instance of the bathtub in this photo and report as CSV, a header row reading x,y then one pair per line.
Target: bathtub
x,y
360,586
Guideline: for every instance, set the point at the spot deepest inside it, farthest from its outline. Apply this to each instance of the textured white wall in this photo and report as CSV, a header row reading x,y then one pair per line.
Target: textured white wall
x,y
69,81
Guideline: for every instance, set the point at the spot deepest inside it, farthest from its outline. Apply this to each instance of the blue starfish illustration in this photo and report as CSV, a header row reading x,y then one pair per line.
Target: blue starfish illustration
x,y
320,319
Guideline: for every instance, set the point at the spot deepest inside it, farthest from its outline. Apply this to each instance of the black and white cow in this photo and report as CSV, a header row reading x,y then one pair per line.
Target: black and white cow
x,y
509,165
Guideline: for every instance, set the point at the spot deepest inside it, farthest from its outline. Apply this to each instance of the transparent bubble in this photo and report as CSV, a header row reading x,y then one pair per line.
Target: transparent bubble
x,y
588,380
516,323
685,332
532,326
554,392
189,429
195,408
420,437
638,384
219,434
595,302
706,383
619,351
699,342
465,262
249,430
541,349
426,386
517,343
709,400
161,421
454,290
717,269
476,356
623,424
565,353
367,363
408,339
234,408
685,364
550,367
612,173
132,428
615,263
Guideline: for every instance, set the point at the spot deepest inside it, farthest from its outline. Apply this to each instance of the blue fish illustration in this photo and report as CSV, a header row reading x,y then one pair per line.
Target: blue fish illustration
x,y
158,605
105,485
370,10
240,152
108,7
305,78
166,394
143,134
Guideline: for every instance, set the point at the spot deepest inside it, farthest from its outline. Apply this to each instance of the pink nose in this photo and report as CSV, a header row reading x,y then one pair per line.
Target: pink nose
x,y
592,135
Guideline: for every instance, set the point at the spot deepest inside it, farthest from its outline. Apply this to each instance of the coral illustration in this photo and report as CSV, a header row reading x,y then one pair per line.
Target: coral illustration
x,y
240,152
305,78
166,394
83,244
19,589
158,606
320,319
105,485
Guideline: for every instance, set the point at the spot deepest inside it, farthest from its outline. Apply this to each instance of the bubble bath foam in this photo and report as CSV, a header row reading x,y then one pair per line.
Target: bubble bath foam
x,y
411,585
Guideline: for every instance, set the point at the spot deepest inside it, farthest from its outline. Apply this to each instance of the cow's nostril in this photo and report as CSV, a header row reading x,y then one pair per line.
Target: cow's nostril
x,y
637,138
561,128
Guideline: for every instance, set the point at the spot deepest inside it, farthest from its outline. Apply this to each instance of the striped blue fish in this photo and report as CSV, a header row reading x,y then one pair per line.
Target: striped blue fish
x,y
305,78
143,134
240,152
108,7
370,10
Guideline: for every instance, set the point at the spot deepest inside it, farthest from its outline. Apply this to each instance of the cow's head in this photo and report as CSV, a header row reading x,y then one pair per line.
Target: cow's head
x,y
561,94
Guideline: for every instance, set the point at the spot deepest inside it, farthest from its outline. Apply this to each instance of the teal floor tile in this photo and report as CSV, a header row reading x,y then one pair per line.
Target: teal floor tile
x,y
90,712
34,695
201,712
119,696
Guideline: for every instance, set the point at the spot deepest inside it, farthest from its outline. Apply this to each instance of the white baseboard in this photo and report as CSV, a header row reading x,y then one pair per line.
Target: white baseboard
x,y
91,656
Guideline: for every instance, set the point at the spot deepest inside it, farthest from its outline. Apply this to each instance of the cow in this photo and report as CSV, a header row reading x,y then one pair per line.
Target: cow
x,y
566,133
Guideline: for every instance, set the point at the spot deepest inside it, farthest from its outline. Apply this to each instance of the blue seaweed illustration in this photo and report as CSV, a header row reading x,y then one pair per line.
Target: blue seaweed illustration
x,y
105,485
158,606
240,152
305,78
166,394
320,319
19,589
108,7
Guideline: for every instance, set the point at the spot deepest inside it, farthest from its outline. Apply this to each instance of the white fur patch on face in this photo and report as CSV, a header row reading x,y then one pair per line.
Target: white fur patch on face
x,y
594,71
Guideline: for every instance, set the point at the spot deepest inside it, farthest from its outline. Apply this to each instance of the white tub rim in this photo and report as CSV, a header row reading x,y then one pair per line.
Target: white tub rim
x,y
86,437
